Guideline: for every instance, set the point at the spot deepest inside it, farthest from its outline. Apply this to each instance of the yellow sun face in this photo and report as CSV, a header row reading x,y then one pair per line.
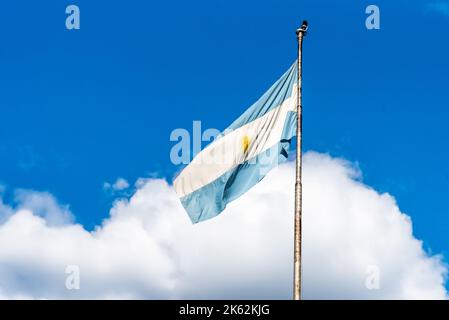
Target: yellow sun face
x,y
245,143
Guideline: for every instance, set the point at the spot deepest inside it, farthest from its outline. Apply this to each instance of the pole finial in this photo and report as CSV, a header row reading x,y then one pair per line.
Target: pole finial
x,y
303,28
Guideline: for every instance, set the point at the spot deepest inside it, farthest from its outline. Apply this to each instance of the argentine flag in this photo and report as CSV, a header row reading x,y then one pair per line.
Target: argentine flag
x,y
243,154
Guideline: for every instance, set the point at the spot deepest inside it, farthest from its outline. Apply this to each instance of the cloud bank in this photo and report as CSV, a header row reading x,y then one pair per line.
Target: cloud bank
x,y
148,248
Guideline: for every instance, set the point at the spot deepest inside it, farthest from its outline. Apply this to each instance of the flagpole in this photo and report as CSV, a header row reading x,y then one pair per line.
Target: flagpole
x,y
300,33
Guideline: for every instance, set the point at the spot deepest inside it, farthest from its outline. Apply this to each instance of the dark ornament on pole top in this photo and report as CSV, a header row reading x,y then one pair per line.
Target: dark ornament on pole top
x,y
303,28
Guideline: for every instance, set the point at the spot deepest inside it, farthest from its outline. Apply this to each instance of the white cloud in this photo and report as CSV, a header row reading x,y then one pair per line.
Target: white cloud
x,y
44,205
119,185
41,204
5,211
149,249
349,227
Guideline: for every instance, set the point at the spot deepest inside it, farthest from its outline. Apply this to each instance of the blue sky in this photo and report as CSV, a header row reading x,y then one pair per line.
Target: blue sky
x,y
81,108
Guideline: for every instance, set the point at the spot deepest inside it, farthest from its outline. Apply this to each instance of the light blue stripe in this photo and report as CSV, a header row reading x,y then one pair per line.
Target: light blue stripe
x,y
278,93
210,200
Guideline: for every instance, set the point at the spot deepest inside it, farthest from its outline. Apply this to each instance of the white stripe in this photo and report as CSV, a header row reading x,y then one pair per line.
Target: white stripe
x,y
227,152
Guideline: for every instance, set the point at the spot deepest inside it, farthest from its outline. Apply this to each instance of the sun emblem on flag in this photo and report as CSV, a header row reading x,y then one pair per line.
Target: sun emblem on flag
x,y
245,143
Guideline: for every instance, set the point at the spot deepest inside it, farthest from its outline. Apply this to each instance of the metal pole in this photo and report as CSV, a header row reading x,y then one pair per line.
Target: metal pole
x,y
298,185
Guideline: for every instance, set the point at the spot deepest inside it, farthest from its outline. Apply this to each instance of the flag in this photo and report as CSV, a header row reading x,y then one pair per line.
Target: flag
x,y
243,154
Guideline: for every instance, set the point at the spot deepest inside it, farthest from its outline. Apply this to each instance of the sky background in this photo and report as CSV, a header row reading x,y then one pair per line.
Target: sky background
x,y
85,107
